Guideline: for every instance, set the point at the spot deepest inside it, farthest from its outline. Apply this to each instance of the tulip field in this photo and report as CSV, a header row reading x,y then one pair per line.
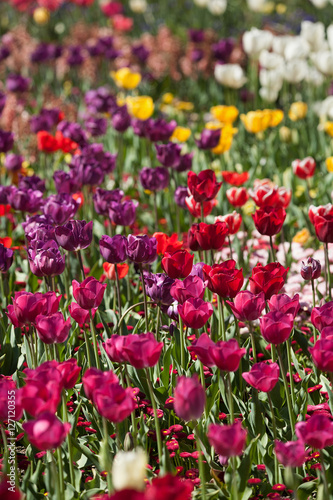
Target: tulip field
x,y
166,249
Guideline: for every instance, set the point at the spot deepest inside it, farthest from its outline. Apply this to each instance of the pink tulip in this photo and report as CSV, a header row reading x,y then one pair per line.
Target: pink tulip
x,y
189,398
89,293
114,402
276,327
53,329
201,347
247,306
94,378
317,432
142,350
192,287
227,355
283,303
46,431
290,454
262,376
195,312
227,440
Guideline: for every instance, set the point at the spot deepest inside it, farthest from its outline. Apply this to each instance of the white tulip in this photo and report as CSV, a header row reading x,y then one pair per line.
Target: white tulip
x,y
268,94
324,62
314,77
230,75
279,43
201,3
138,6
255,41
320,4
296,48
313,33
256,5
272,78
295,71
330,36
217,7
129,469
324,109
269,60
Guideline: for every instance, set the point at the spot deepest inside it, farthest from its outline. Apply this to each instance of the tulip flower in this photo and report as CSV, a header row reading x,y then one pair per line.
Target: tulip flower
x,y
202,348
195,312
94,378
191,287
262,376
178,264
269,220
113,250
322,317
114,402
89,293
46,431
233,221
227,355
276,327
203,186
322,351
247,306
227,440
52,329
141,249
311,270
237,197
283,303
114,348
268,279
291,453
8,390
189,398
154,179
224,279
69,371
142,350
207,236
304,169
317,432
6,258
74,235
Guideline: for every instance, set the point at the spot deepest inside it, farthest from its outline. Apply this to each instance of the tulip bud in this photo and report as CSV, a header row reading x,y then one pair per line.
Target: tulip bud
x,y
311,270
128,442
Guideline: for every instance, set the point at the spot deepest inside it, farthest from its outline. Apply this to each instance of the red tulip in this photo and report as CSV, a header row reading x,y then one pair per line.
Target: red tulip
x,y
322,351
322,219
167,243
268,279
110,270
195,312
114,402
290,454
207,236
276,327
203,186
195,207
189,398
233,221
247,306
237,197
81,316
27,305
46,142
69,371
8,491
283,303
262,376
46,431
304,169
169,487
178,264
234,178
266,194
142,350
8,394
269,220
227,440
317,432
93,379
224,279
89,293
227,355
202,347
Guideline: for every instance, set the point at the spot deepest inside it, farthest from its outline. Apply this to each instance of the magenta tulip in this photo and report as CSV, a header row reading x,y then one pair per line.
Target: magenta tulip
x,y
227,440
317,432
262,376
89,293
46,431
276,327
247,306
52,329
189,398
227,355
195,312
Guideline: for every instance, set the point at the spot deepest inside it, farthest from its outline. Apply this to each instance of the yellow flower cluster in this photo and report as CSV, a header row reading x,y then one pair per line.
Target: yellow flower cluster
x,y
260,120
126,79
227,134
181,134
141,107
225,114
298,110
328,127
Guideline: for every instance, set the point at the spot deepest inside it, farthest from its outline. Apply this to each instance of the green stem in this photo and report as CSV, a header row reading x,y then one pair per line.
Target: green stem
x,y
79,256
182,343
276,464
328,272
157,424
107,454
68,438
222,333
230,247
134,427
54,475
87,346
286,388
313,293
290,368
158,322
61,472
94,339
155,211
272,249
5,448
231,400
202,213
201,464
253,343
144,298
118,288
324,474
129,310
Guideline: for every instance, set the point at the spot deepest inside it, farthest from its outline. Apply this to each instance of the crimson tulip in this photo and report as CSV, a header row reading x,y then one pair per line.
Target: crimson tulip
x,y
203,186
46,431
247,306
317,432
268,279
276,327
269,220
178,264
227,355
224,279
189,398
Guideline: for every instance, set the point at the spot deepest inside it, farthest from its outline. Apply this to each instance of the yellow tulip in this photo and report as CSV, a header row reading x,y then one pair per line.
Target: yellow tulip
x,y
214,125
302,236
328,127
249,207
225,114
298,111
167,98
141,107
276,116
227,134
329,163
285,134
181,134
261,120
41,15
126,79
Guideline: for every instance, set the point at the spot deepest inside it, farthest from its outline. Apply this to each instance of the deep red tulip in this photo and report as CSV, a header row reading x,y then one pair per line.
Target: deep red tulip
x,y
291,453
317,432
70,372
94,379
114,347
233,221
234,178
268,279
321,317
227,440
203,186
237,197
169,487
46,431
311,270
167,243
224,279
304,169
247,306
191,287
37,396
53,329
114,402
8,491
227,355
195,312
269,220
123,495
283,303
142,350
276,327
89,293
8,393
322,219
178,264
262,376
207,236
27,305
202,347
194,207
81,316
189,398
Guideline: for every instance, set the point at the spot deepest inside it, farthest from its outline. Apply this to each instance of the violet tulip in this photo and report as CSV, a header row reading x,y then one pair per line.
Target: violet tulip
x,y
74,235
141,249
113,250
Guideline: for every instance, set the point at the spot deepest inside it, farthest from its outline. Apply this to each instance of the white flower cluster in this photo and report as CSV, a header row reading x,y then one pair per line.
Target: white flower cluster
x,y
215,7
307,57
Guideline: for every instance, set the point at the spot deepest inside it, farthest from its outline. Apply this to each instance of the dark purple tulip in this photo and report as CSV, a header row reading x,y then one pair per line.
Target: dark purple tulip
x,y
102,199
4,53
185,163
73,131
180,194
222,49
46,261
158,288
6,258
45,120
17,83
54,51
40,235
90,175
196,55
75,56
160,130
13,162
4,193
40,54
140,127
75,235
196,36
121,119
154,179
113,250
25,200
311,270
6,141
32,182
100,100
141,249
209,139
61,207
108,162
2,101
140,52
65,182
96,126
123,213
36,221
168,154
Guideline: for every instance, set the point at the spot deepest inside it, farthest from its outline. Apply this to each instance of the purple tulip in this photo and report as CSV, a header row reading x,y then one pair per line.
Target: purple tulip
x,y
311,270
73,131
140,52
65,182
180,195
154,179
75,56
158,288
40,54
197,270
209,139
13,162
25,200
74,235
6,258
168,154
61,207
141,249
46,261
196,36
140,127
123,213
102,199
32,182
100,100
35,222
17,83
96,126
45,120
160,130
113,250
222,49
185,163
121,119
6,141
4,53
2,101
